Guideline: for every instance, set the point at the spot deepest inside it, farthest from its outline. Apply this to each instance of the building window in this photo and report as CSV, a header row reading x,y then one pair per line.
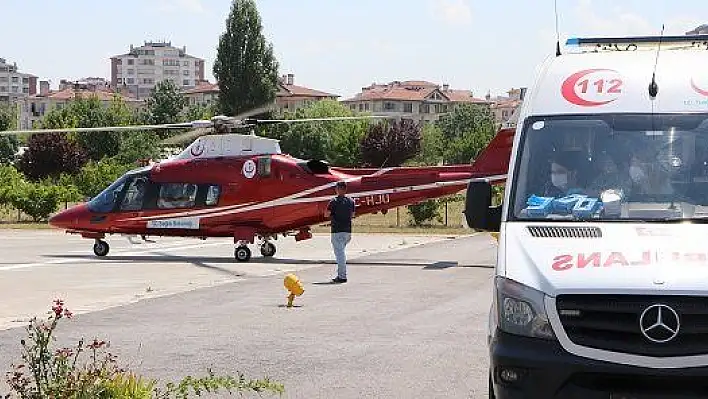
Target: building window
x,y
408,107
3,89
185,72
388,106
131,71
186,63
130,61
130,81
15,79
185,82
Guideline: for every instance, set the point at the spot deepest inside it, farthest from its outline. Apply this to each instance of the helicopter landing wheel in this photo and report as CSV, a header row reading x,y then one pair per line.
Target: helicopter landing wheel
x,y
101,248
242,254
268,249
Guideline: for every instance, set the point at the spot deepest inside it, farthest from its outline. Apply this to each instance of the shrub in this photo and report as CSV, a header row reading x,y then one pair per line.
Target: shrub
x,y
64,373
38,200
10,181
425,211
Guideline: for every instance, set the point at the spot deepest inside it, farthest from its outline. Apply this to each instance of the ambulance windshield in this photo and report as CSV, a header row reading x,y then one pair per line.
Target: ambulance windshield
x,y
612,167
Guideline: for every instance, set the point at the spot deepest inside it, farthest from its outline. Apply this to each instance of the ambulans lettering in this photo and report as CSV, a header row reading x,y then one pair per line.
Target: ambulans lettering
x,y
592,87
600,260
372,200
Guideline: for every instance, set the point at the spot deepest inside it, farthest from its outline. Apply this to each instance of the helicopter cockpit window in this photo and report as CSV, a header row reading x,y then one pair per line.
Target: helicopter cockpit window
x,y
177,195
212,197
133,199
106,200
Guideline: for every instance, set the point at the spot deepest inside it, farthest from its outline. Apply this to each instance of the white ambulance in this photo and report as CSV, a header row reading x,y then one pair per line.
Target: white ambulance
x,y
601,281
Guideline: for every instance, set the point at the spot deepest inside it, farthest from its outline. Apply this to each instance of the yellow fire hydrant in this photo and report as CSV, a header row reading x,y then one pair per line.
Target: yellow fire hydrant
x,y
294,286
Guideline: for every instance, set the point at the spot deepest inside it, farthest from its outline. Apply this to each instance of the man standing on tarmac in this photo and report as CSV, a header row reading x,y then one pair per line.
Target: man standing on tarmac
x,y
341,213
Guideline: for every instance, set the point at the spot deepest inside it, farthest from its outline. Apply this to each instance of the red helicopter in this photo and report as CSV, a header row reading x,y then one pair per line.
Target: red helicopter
x,y
242,186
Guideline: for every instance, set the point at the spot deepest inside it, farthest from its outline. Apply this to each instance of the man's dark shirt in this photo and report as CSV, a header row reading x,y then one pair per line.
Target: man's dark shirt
x,y
341,210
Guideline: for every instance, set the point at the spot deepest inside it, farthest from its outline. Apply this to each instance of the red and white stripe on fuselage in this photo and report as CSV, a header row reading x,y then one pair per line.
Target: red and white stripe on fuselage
x,y
305,196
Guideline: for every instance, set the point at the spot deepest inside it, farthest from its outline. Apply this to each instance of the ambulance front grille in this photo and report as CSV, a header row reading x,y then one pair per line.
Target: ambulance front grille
x,y
612,323
565,231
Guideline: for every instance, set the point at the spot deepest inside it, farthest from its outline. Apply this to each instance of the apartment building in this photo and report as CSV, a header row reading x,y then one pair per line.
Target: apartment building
x,y
415,100
91,83
504,108
143,67
15,85
289,97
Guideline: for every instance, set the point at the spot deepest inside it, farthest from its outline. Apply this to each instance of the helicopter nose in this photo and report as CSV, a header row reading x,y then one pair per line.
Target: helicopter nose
x,y
68,218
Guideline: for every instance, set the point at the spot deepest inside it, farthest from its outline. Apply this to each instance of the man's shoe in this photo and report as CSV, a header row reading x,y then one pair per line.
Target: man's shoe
x,y
338,280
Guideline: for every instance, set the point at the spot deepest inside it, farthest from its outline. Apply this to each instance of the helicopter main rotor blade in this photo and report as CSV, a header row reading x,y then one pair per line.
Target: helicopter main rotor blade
x,y
336,118
256,111
186,125
186,136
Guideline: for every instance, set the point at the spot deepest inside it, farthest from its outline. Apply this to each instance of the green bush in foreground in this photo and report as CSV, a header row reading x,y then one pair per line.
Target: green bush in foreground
x,y
64,374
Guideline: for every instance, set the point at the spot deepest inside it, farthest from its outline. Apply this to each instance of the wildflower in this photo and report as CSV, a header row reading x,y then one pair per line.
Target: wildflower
x,y
58,308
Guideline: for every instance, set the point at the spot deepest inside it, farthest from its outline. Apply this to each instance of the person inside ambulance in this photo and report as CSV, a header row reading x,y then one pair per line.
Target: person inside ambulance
x,y
564,175
612,174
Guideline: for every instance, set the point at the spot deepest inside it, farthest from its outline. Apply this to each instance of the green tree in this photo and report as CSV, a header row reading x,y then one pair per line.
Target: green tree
x,y
198,112
11,180
96,176
91,112
335,141
8,144
138,145
432,146
166,103
466,131
38,200
245,66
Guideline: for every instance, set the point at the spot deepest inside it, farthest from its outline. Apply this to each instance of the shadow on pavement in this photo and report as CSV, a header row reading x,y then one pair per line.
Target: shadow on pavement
x,y
204,261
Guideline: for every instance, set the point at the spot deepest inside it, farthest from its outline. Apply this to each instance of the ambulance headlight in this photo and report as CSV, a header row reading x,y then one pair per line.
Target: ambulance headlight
x,y
521,310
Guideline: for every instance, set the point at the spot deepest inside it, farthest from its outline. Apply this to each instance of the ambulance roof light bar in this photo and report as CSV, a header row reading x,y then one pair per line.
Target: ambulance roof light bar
x,y
638,43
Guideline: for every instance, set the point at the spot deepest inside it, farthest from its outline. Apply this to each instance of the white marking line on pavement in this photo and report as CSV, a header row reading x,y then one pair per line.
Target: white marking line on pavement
x,y
128,253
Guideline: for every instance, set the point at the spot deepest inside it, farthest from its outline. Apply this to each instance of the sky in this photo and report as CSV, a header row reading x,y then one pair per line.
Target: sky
x,y
334,45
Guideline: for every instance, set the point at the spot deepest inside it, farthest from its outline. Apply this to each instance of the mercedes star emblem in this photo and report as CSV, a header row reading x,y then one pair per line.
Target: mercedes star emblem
x,y
659,323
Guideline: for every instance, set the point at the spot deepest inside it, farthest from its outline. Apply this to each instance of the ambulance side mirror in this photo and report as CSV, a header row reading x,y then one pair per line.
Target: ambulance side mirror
x,y
478,211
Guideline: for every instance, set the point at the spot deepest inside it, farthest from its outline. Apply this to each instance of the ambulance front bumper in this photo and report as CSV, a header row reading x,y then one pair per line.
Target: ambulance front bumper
x,y
532,368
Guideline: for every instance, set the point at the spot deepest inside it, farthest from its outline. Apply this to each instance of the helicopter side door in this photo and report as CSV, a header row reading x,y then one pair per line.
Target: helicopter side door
x,y
135,193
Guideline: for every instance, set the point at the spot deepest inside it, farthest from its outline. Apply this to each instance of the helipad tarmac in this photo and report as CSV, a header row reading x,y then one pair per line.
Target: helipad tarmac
x,y
39,266
410,323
